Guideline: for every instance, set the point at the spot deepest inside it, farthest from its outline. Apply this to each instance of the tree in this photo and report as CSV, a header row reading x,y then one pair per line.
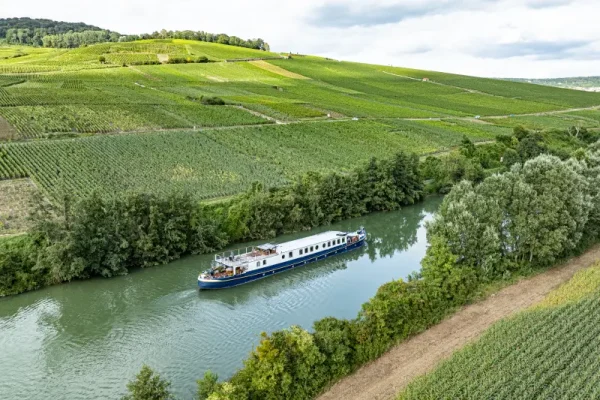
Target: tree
x,y
510,157
207,385
102,59
531,146
285,365
520,132
148,385
533,214
467,148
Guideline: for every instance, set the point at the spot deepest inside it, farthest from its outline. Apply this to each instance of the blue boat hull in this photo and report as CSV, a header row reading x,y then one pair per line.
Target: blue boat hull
x,y
232,281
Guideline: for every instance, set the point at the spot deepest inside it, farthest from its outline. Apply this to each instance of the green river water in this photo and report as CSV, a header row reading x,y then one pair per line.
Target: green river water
x,y
85,340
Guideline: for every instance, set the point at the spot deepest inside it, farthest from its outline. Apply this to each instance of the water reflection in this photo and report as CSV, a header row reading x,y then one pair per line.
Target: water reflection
x,y
86,339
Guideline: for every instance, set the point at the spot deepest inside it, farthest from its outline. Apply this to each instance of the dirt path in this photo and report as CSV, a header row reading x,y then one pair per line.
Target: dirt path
x,y
386,376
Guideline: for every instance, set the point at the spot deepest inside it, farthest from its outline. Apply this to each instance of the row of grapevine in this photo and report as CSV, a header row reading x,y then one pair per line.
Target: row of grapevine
x,y
157,163
542,354
37,121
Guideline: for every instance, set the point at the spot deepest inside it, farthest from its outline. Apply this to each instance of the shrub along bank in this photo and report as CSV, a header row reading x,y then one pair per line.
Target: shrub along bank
x,y
100,236
530,217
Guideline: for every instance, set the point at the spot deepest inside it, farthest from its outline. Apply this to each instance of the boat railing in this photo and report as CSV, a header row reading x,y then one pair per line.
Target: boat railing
x,y
241,256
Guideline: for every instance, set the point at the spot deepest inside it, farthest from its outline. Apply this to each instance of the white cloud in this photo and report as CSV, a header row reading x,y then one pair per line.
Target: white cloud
x,y
504,38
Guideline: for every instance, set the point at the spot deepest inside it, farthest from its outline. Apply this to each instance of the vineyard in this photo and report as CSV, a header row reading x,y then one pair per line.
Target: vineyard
x,y
72,94
95,89
211,163
549,352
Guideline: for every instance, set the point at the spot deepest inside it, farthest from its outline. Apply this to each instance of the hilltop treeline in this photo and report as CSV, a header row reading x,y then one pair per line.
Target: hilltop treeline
x,y
258,44
48,33
99,236
30,31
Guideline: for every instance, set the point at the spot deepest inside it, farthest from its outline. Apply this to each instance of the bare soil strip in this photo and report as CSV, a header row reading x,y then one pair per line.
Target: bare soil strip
x,y
6,130
277,70
386,376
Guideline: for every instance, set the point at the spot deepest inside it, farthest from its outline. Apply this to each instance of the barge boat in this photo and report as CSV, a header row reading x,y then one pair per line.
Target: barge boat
x,y
234,268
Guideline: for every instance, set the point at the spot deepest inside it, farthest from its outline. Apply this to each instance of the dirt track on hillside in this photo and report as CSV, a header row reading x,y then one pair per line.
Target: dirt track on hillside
x,y
386,376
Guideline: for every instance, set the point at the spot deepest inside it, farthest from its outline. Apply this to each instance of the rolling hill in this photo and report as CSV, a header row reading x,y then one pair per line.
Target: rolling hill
x,y
138,111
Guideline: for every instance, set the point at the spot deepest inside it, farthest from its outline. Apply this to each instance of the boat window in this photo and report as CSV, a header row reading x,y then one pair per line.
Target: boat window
x,y
291,254
306,250
264,262
317,247
283,256
300,251
328,244
258,264
339,241
311,248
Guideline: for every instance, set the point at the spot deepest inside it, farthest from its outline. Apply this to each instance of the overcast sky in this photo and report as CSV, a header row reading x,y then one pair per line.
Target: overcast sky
x,y
504,38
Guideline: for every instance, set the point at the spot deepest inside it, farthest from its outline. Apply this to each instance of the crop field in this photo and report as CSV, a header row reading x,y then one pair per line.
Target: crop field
x,y
557,121
41,121
454,92
285,89
549,352
70,94
210,163
588,115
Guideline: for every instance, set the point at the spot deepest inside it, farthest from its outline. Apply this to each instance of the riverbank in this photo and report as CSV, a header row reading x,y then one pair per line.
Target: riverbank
x,y
81,238
386,376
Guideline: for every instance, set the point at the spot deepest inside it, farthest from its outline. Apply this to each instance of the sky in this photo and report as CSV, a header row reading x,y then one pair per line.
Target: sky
x,y
503,38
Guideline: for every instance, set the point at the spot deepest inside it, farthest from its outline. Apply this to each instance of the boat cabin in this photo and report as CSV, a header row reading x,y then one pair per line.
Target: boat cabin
x,y
240,261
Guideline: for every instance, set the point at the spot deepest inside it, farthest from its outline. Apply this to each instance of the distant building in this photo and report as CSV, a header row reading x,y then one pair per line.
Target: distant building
x,y
425,79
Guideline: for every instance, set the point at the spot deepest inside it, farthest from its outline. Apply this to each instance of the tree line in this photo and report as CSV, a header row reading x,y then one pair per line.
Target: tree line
x,y
47,33
474,163
28,31
222,38
98,236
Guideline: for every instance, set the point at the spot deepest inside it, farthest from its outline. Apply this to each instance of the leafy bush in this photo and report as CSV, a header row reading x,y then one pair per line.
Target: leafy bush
x,y
17,266
212,101
148,385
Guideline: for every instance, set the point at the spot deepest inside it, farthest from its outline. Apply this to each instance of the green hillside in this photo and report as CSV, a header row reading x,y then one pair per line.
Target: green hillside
x,y
136,89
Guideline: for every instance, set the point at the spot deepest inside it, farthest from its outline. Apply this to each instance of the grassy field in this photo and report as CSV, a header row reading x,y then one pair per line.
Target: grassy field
x,y
549,352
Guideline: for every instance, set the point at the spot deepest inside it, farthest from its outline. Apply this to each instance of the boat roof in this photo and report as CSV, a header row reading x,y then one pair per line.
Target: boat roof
x,y
309,241
267,246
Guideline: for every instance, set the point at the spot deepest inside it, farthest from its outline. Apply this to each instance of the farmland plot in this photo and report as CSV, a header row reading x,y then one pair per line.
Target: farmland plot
x,y
549,352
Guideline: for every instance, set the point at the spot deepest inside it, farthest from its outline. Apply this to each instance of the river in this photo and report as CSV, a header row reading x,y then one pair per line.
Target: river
x,y
85,340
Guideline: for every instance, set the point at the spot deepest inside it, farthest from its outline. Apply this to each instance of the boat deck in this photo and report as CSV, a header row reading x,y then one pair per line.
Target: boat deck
x,y
255,255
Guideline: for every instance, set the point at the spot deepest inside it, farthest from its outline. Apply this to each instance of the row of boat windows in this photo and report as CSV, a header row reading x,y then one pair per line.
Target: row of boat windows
x,y
309,249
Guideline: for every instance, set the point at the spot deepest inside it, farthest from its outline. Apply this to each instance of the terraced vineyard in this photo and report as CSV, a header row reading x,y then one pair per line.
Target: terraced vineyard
x,y
550,352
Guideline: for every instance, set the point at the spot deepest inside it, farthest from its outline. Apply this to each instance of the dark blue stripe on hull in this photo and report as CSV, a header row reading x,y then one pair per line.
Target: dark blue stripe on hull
x,y
263,273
